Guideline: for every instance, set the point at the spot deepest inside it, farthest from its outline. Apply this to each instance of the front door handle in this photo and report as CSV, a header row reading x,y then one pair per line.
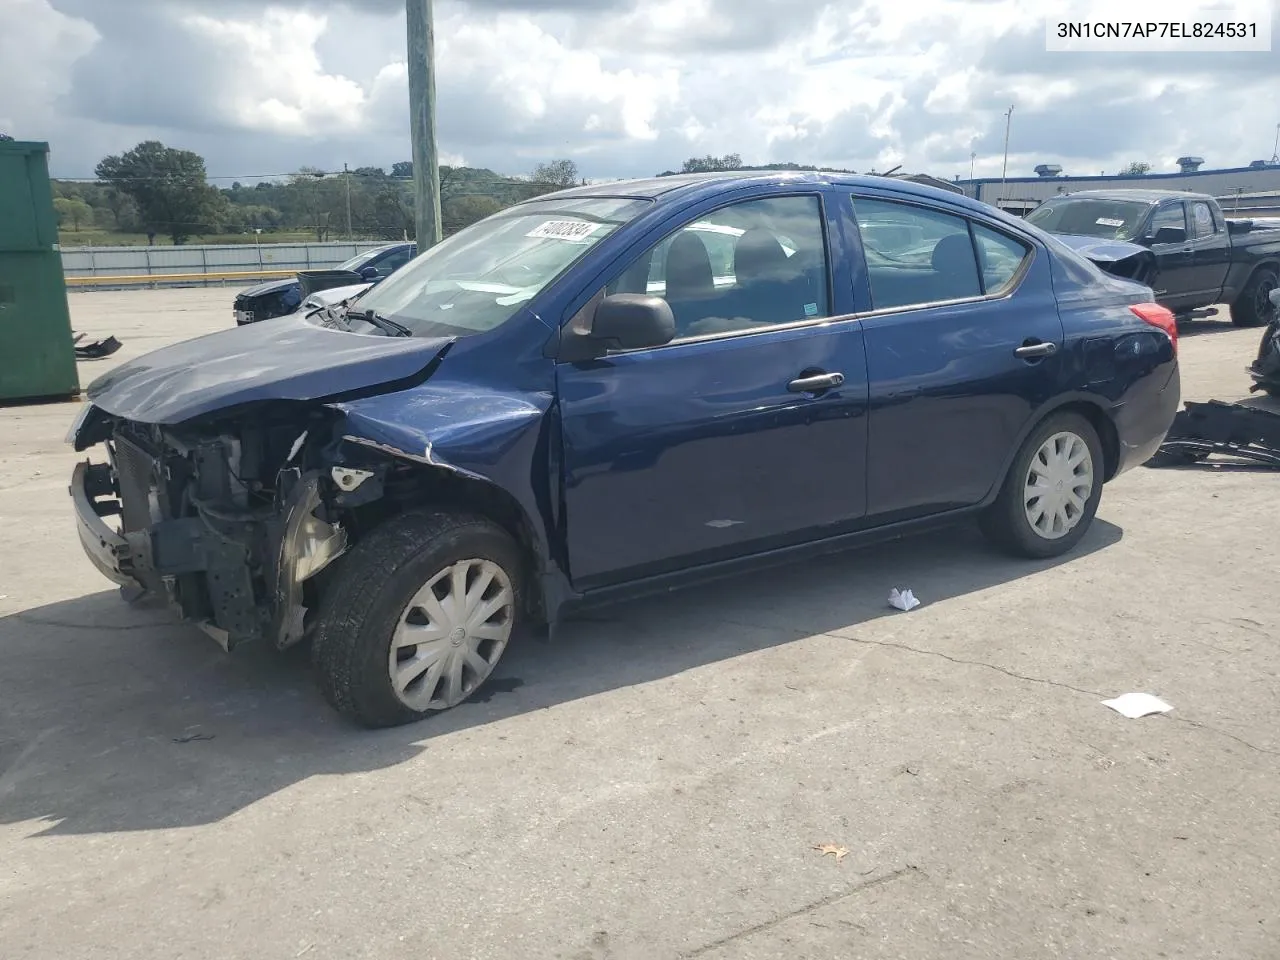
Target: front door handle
x,y
816,383
1035,350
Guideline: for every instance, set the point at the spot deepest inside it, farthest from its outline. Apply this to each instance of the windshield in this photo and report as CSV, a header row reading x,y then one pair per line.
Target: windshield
x,y
359,260
478,278
1090,217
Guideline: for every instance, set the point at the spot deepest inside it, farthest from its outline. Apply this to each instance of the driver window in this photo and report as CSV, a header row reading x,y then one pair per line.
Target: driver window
x,y
1170,215
753,264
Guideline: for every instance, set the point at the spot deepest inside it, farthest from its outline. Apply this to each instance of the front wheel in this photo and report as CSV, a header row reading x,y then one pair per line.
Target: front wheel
x,y
417,617
1253,307
1051,493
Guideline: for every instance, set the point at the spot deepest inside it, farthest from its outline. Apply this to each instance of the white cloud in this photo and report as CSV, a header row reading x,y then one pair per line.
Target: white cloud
x,y
626,87
272,79
38,46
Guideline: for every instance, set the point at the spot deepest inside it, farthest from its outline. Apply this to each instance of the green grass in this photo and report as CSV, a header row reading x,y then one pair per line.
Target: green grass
x,y
93,237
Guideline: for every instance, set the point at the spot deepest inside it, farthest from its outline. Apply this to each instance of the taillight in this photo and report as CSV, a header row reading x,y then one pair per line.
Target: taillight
x,y
1161,317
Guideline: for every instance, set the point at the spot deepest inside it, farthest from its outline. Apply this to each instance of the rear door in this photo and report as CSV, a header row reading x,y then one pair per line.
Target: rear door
x,y
748,430
1211,251
963,346
1175,284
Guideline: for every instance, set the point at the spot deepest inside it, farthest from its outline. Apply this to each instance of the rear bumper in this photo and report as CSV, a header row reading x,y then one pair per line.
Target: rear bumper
x,y
112,554
1143,420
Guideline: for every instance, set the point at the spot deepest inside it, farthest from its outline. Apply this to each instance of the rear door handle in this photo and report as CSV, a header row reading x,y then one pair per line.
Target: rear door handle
x,y
816,383
1031,351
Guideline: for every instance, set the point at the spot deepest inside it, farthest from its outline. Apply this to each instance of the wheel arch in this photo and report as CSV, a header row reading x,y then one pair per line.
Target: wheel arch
x,y
409,485
1093,410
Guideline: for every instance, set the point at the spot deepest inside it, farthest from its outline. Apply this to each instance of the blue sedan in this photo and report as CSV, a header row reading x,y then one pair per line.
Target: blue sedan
x,y
612,390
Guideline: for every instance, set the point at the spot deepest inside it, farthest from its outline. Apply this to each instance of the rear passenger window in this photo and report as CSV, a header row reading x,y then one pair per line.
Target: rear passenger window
x,y
914,255
999,257
1202,218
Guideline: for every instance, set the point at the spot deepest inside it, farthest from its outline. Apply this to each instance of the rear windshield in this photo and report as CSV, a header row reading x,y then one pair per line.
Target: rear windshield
x,y
1090,217
480,277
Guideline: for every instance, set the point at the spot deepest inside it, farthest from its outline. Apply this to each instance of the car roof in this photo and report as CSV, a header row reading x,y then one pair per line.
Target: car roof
x,y
1138,196
686,186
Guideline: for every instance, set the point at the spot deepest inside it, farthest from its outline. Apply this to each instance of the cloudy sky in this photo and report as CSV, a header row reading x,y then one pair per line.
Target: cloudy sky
x,y
624,87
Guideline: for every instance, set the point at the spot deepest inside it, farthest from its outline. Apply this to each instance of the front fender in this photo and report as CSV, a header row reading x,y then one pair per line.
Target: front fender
x,y
497,438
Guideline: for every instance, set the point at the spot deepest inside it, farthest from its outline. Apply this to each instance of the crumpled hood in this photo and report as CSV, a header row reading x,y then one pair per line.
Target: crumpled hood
x,y
271,286
1100,250
325,298
289,358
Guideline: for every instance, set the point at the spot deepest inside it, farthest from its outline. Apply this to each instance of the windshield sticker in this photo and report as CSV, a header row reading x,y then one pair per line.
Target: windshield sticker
x,y
1109,222
571,230
1202,213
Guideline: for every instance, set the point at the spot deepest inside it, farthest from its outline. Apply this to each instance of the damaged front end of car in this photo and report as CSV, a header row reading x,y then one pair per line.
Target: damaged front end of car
x,y
229,518
1128,261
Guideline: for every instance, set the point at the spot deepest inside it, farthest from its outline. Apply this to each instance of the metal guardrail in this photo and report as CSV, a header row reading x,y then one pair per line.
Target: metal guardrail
x,y
158,279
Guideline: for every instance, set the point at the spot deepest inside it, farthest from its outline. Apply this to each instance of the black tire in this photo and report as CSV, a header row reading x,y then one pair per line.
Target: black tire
x,y
1005,522
1253,307
370,590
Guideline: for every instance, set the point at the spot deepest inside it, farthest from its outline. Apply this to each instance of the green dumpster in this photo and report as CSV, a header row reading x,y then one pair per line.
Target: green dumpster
x,y
37,356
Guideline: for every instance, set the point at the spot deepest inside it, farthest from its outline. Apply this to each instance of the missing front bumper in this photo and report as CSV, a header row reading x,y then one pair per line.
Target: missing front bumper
x,y
237,579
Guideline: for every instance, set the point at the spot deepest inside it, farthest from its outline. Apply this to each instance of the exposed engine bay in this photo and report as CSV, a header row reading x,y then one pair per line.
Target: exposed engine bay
x,y
231,519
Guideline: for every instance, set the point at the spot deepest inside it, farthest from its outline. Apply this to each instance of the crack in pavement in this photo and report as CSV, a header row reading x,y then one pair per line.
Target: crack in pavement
x,y
1223,733
68,625
809,908
1020,676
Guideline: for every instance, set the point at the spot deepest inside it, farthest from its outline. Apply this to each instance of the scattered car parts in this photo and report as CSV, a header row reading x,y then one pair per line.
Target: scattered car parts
x,y
1235,430
96,349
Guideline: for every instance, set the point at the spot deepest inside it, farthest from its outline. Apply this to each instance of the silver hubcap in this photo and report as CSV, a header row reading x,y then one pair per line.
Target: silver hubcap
x,y
451,635
1059,483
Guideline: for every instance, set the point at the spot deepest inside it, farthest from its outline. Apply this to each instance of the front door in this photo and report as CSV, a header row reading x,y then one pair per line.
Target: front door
x,y
963,345
747,431
1175,281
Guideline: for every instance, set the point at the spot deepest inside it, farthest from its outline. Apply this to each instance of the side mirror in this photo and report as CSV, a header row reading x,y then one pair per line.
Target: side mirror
x,y
1170,235
631,321
369,273
624,321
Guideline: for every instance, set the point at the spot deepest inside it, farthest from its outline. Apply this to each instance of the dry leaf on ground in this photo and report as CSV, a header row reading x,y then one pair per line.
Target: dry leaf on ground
x,y
830,848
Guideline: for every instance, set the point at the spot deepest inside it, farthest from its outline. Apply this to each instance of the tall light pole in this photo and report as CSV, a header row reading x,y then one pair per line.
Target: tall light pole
x,y
1004,170
346,173
422,121
1275,149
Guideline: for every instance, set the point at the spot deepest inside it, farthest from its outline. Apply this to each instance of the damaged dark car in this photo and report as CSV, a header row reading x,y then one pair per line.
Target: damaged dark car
x,y
611,391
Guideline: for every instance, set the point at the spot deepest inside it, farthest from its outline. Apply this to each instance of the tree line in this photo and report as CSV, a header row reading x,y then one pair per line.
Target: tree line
x,y
161,191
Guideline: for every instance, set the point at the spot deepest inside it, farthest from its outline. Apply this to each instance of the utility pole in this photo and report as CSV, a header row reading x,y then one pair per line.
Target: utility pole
x,y
347,176
422,125
1275,150
1004,170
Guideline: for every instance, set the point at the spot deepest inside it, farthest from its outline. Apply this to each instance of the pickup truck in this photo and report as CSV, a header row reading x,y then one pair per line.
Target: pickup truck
x,y
1201,257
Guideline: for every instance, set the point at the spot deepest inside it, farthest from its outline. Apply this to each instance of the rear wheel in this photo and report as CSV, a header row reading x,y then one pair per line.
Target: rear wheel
x,y
417,617
1253,307
1051,493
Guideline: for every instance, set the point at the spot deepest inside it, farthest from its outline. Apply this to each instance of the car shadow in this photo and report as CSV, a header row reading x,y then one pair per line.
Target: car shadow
x,y
114,718
1202,322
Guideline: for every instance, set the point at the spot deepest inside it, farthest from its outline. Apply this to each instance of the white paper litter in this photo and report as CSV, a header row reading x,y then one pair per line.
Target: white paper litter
x,y
1135,705
903,599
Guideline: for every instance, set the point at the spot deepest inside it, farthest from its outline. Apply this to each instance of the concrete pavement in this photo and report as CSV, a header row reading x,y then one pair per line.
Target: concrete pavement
x,y
654,783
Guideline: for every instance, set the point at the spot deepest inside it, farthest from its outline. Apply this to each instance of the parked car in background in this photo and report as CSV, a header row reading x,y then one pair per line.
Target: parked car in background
x,y
1201,257
278,298
613,390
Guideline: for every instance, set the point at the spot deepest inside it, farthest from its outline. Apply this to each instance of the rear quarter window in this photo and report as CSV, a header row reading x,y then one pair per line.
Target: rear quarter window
x,y
1000,257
